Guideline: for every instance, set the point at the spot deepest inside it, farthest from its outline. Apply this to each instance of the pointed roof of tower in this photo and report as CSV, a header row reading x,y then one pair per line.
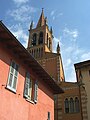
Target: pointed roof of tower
x,y
58,48
41,20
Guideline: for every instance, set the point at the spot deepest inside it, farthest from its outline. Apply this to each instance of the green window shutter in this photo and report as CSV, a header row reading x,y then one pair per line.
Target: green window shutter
x,y
35,91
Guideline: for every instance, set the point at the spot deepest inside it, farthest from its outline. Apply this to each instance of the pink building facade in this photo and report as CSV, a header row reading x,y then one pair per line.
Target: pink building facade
x,y
26,89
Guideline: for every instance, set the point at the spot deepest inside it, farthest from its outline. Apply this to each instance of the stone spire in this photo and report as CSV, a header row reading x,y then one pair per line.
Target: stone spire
x,y
51,30
58,48
41,21
31,26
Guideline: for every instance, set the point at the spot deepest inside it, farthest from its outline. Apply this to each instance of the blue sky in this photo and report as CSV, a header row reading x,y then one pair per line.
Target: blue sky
x,y
70,20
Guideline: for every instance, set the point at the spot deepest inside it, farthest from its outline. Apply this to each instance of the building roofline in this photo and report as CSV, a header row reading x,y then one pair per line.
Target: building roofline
x,y
7,38
82,64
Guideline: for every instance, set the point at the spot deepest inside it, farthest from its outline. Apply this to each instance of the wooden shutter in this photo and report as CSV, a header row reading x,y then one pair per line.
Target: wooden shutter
x,y
28,86
36,91
13,74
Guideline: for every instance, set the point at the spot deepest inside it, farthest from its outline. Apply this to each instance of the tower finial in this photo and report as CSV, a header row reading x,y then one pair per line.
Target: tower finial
x,y
42,9
31,26
58,48
51,30
46,22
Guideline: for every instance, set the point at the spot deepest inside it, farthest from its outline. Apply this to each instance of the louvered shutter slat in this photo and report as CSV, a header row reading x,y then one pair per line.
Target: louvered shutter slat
x,y
10,79
36,91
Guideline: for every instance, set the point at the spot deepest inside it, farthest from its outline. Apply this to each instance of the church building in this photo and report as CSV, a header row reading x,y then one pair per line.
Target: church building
x,y
67,105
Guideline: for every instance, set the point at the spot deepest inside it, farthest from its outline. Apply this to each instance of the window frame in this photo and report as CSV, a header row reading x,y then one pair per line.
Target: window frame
x,y
32,89
8,86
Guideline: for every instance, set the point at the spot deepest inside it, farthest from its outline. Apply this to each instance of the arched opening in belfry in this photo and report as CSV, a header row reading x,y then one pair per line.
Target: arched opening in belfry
x,y
34,39
40,38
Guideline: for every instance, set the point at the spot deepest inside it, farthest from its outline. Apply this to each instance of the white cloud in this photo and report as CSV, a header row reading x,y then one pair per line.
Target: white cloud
x,y
20,1
21,14
20,34
60,14
70,51
68,63
71,75
71,33
85,56
53,12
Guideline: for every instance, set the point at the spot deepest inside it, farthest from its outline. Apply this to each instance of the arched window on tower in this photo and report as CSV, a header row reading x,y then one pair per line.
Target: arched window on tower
x,y
34,39
66,105
71,105
76,104
40,38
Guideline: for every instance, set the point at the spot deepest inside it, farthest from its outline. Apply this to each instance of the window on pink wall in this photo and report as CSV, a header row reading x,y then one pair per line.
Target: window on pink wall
x,y
31,88
13,76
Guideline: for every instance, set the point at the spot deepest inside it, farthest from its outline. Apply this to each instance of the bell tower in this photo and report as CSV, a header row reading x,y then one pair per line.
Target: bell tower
x,y
40,47
40,38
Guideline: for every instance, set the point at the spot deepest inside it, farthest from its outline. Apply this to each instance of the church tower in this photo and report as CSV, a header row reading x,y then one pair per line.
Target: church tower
x,y
40,38
40,47
40,44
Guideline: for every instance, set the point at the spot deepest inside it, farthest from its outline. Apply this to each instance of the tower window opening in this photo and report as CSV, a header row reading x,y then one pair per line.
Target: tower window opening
x,y
71,105
40,38
66,106
34,39
76,104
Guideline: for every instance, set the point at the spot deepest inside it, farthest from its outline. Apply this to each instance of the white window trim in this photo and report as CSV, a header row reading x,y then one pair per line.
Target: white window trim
x,y
8,86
